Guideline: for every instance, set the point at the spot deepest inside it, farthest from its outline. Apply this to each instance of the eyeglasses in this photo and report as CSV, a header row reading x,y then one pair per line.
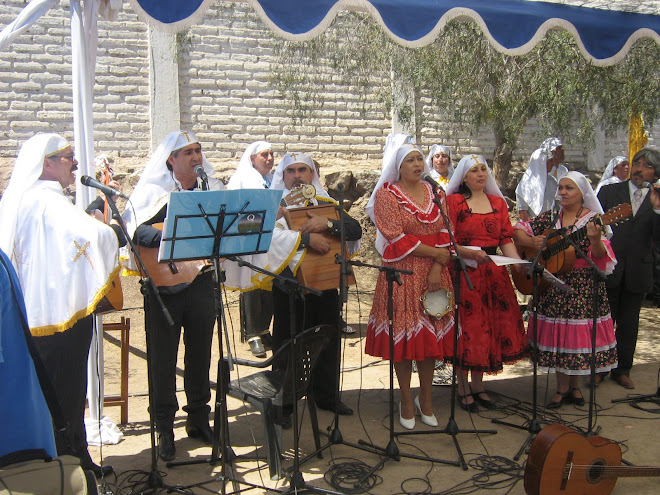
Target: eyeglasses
x,y
70,157
643,164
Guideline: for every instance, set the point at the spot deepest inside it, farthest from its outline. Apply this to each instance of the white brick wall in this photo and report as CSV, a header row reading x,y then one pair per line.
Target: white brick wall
x,y
225,93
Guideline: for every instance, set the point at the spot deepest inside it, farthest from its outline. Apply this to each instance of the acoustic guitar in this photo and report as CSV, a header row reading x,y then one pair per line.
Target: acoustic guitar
x,y
561,461
558,256
169,274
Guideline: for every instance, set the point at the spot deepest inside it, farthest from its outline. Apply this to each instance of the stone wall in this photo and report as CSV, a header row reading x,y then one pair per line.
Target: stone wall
x,y
225,93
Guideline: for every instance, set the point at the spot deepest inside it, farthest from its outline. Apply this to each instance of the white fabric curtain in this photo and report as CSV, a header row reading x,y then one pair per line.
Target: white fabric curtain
x,y
28,16
84,41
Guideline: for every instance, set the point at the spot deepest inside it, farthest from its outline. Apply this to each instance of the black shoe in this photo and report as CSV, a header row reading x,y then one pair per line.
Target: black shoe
x,y
201,431
483,401
462,401
166,449
99,471
565,398
340,408
578,401
284,421
267,340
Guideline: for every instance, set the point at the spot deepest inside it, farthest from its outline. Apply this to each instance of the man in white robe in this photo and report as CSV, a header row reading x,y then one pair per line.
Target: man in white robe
x,y
256,305
65,261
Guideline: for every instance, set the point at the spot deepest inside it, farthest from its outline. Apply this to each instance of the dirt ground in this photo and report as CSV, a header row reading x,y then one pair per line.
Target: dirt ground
x,y
365,388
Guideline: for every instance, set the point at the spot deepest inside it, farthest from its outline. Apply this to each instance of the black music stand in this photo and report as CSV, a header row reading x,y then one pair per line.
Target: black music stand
x,y
191,232
391,450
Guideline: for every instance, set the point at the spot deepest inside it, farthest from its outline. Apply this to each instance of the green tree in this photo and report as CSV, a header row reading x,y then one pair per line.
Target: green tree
x,y
471,84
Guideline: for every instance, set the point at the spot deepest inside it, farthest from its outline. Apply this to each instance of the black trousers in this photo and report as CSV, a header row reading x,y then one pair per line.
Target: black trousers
x,y
64,355
312,310
625,307
256,308
193,309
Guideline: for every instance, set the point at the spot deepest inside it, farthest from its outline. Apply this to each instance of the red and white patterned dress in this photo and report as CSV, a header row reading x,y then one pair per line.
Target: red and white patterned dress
x,y
405,225
492,330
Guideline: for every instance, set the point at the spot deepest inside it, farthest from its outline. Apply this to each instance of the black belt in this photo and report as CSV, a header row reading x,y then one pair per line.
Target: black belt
x,y
490,250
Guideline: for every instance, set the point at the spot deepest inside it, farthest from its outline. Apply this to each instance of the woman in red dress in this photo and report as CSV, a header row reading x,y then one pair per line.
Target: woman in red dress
x,y
492,330
411,235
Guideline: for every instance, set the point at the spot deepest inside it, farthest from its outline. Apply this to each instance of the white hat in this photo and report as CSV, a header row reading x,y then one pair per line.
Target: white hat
x,y
463,167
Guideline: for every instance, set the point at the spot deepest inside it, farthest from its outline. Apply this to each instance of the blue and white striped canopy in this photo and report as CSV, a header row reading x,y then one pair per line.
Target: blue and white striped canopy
x,y
513,26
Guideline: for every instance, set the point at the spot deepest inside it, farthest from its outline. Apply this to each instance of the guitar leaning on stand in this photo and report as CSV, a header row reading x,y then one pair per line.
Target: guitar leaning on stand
x,y
561,461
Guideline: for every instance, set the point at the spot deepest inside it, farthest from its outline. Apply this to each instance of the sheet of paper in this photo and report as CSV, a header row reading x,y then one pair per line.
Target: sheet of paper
x,y
505,260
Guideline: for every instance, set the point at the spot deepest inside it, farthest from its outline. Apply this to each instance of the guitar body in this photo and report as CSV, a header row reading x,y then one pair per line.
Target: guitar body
x,y
560,263
114,298
561,461
172,273
169,274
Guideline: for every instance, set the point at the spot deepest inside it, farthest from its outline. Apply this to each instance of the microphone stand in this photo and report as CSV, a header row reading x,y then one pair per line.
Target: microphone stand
x,y
452,427
598,275
335,437
535,271
297,482
391,451
149,293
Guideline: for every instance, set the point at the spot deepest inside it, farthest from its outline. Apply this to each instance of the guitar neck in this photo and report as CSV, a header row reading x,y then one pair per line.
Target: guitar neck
x,y
617,471
563,243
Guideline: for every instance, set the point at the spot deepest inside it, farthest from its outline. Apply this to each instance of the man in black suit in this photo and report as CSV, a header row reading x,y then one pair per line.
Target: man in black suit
x,y
632,243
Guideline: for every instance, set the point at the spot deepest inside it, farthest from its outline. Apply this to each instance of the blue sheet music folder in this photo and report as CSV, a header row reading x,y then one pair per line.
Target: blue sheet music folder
x,y
245,218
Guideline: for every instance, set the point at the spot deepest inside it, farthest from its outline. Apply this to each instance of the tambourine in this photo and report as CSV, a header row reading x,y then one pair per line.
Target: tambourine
x,y
436,304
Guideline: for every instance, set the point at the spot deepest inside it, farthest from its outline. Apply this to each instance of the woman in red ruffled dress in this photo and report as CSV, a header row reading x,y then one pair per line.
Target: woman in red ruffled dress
x,y
412,236
492,330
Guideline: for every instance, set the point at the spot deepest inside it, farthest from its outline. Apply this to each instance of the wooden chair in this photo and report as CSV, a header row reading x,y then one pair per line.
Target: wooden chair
x,y
124,326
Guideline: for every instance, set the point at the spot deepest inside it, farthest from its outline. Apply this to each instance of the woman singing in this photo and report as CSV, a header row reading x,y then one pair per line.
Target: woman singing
x,y
411,235
492,331
564,326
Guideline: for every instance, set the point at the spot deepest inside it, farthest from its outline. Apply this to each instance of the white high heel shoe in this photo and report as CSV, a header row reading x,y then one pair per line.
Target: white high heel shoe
x,y
408,424
427,420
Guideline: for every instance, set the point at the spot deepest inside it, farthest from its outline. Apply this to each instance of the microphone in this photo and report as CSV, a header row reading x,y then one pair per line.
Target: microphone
x,y
199,170
427,177
649,185
107,190
556,205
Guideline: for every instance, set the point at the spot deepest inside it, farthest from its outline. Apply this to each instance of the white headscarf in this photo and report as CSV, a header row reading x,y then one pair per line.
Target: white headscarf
x,y
246,176
157,181
608,176
435,149
532,185
292,158
589,199
390,174
393,142
27,170
463,167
